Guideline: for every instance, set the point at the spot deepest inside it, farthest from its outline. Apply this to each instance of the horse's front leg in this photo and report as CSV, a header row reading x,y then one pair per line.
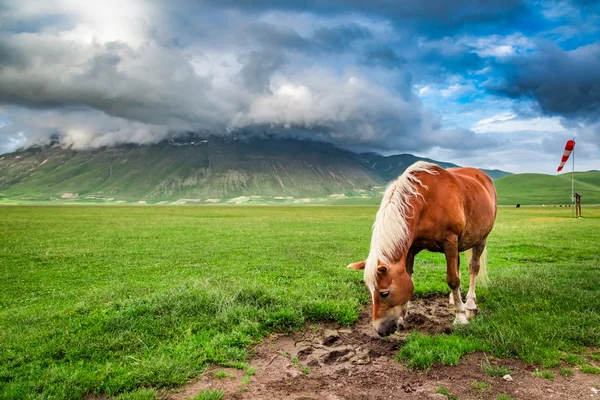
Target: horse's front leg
x,y
474,266
453,278
410,262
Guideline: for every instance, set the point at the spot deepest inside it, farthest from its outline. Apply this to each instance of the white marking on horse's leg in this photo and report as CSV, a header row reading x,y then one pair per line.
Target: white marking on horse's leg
x,y
451,297
461,317
471,305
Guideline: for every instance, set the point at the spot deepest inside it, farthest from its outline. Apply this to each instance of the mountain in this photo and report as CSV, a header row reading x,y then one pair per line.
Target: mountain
x,y
538,189
389,167
213,168
199,170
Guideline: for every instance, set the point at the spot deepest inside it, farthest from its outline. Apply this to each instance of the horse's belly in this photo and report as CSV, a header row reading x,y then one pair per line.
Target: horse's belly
x,y
474,236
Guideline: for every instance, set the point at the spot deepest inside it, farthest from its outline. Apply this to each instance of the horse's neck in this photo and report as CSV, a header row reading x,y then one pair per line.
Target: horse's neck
x,y
402,249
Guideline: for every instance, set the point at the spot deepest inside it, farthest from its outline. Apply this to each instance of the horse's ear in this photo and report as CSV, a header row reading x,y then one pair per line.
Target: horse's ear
x,y
357,265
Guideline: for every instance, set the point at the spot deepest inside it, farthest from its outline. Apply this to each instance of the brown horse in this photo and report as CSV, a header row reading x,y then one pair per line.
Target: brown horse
x,y
427,207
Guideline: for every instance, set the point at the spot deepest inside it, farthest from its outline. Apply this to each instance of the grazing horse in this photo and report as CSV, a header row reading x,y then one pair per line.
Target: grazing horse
x,y
427,208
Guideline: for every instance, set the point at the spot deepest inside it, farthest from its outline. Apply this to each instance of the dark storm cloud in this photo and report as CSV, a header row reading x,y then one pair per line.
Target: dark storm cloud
x,y
340,37
269,35
441,59
562,82
102,94
334,39
382,56
258,68
439,15
149,84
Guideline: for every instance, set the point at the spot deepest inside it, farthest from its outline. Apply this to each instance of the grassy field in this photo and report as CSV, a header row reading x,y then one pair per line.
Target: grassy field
x,y
547,189
123,301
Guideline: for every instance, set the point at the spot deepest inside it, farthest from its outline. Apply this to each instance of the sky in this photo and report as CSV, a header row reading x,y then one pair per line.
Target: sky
x,y
486,83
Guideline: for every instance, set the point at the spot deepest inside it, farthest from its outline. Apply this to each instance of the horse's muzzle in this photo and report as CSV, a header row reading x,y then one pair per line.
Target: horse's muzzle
x,y
389,326
385,327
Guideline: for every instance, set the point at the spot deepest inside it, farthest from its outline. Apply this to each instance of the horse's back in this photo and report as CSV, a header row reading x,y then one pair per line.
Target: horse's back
x,y
461,201
469,176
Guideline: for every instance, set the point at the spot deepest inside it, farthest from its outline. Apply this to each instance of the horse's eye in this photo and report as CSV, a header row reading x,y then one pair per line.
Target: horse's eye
x,y
384,293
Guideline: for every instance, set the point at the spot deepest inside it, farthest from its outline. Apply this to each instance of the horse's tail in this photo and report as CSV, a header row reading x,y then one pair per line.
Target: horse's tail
x,y
482,276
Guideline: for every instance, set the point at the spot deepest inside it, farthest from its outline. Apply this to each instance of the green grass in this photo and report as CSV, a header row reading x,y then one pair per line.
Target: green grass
x,y
595,356
504,396
140,394
220,374
481,386
590,369
209,395
422,351
494,370
573,359
566,372
528,189
544,373
443,390
105,300
133,300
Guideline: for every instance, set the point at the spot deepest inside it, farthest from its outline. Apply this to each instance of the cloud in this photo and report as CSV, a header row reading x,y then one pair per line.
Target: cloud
x,y
565,83
420,76
383,56
432,17
98,84
510,122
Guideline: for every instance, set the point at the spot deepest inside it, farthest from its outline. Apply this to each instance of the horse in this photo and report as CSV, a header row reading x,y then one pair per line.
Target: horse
x,y
427,208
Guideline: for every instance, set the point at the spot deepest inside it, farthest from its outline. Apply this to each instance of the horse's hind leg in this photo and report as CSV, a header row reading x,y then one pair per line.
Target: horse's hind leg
x,y
453,278
474,265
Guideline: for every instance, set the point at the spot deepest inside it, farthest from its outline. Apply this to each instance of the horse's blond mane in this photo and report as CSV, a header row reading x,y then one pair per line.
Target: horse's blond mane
x,y
390,230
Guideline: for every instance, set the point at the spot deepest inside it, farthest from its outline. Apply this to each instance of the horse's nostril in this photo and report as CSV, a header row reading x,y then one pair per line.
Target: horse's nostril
x,y
385,329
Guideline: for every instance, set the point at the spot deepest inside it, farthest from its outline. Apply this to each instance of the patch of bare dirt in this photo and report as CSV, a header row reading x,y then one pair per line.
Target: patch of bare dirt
x,y
332,362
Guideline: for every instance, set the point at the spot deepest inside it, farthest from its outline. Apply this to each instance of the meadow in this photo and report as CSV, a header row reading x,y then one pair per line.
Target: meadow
x,y
125,301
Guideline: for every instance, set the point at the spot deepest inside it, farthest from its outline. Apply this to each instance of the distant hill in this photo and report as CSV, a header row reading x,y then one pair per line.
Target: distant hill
x,y
200,170
540,189
390,167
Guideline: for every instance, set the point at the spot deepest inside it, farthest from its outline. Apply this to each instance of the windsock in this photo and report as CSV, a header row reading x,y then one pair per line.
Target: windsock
x,y
568,150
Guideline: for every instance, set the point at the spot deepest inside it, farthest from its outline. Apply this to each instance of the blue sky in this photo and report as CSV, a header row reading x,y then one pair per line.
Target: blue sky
x,y
494,84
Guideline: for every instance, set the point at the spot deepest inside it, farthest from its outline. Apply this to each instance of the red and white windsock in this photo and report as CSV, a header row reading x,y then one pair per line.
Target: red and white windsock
x,y
568,150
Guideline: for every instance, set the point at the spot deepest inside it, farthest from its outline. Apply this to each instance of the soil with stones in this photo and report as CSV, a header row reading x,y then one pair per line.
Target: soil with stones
x,y
329,362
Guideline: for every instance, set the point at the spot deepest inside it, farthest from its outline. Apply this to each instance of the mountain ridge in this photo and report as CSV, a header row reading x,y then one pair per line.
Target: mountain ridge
x,y
193,169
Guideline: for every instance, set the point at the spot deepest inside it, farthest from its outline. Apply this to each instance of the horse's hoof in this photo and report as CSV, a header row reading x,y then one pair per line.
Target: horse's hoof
x,y
470,304
471,313
461,319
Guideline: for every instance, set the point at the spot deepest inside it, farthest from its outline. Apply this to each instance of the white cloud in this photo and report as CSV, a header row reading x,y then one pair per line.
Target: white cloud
x,y
509,122
500,46
456,90
425,91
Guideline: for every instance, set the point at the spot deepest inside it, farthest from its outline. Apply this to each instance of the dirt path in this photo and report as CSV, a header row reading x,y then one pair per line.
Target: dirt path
x,y
328,362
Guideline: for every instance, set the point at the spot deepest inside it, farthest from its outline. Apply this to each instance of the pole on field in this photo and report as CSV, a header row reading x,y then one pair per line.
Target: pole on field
x,y
573,184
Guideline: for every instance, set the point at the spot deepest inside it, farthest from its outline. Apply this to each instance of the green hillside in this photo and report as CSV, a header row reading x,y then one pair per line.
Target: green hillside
x,y
212,169
540,189
201,170
389,167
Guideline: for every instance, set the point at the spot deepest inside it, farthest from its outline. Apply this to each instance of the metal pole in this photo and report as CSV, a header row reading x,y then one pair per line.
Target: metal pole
x,y
573,183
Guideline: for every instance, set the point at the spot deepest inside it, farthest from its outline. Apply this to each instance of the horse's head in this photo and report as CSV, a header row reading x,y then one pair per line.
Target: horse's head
x,y
391,288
